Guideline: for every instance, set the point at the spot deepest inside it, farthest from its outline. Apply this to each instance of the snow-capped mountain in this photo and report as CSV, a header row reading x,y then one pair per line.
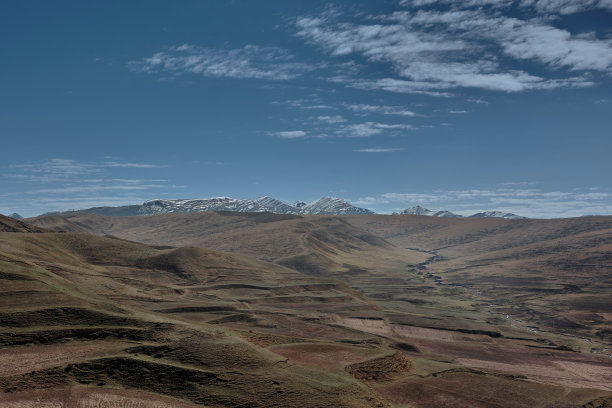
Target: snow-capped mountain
x,y
16,216
447,214
273,205
215,204
325,205
331,205
418,210
497,214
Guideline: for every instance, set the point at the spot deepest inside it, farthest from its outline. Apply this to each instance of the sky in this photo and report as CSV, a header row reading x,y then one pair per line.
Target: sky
x,y
464,106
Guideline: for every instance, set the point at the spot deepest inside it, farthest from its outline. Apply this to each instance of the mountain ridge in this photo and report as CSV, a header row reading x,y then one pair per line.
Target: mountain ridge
x,y
324,205
497,214
418,210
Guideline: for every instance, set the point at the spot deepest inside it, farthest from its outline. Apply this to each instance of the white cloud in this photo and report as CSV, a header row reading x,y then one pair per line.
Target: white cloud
x,y
304,104
383,109
478,101
361,130
370,129
529,39
541,6
395,85
421,197
316,107
251,61
331,119
433,51
388,198
60,184
566,6
377,42
326,126
369,201
52,170
95,188
555,47
379,150
135,165
289,134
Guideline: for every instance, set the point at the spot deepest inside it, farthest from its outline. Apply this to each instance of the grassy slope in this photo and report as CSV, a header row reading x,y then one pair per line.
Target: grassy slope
x,y
91,311
553,275
358,299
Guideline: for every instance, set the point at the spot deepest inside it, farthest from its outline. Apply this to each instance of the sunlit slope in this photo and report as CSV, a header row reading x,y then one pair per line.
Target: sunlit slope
x,y
338,300
312,244
82,311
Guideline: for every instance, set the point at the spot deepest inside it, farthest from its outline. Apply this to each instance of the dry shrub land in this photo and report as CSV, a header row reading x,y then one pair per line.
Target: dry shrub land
x,y
260,310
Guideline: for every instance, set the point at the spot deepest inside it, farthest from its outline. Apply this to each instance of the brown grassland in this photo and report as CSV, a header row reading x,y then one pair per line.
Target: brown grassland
x,y
227,309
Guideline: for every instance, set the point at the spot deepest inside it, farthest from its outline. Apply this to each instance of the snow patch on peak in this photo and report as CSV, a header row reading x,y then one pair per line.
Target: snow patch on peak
x,y
418,210
333,205
275,206
497,214
325,205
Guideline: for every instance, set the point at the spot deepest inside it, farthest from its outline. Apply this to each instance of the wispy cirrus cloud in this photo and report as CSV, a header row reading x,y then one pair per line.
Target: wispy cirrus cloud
x,y
382,109
368,129
250,61
541,6
434,51
395,85
566,6
477,101
305,104
331,119
53,170
134,185
289,134
338,126
62,184
379,150
135,165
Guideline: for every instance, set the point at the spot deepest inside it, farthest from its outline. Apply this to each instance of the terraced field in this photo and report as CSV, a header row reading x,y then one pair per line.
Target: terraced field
x,y
258,310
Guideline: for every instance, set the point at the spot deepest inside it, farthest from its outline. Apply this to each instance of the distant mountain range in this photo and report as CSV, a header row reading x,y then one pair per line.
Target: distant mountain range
x,y
497,214
16,216
418,210
325,205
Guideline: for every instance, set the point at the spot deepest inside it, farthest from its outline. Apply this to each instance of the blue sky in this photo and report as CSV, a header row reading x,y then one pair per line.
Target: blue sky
x,y
466,106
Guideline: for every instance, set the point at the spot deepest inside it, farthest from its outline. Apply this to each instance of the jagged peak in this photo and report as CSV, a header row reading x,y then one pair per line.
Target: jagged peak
x,y
324,205
419,210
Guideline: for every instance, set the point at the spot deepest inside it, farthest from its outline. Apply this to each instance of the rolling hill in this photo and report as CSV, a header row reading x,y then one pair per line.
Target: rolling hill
x,y
260,309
